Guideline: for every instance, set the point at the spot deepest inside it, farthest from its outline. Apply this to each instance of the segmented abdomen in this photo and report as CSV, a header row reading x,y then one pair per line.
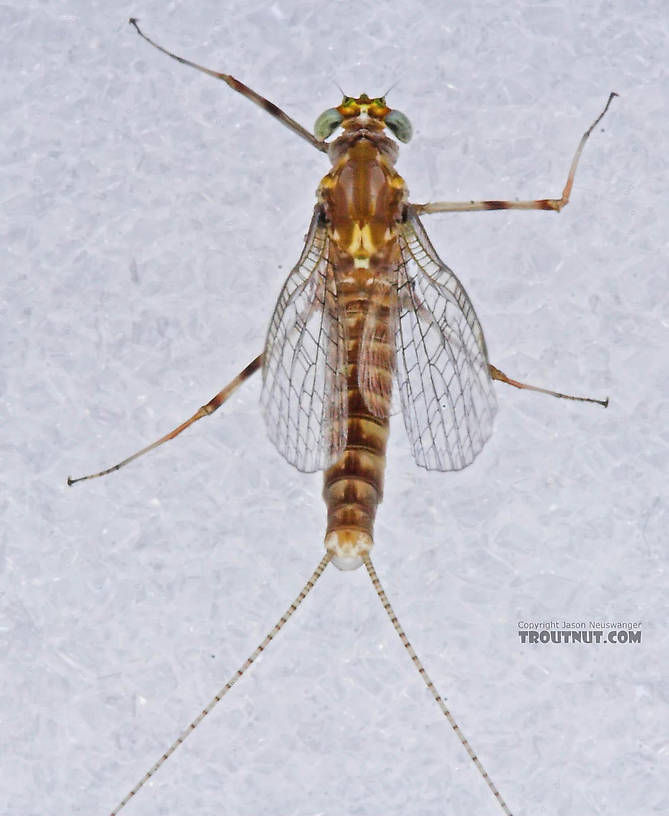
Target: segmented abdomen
x,y
353,486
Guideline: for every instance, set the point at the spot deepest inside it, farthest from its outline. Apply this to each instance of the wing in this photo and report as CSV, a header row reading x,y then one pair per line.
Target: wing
x,y
442,361
304,383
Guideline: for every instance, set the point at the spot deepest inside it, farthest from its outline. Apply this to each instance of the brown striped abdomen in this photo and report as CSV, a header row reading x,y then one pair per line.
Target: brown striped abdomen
x,y
353,486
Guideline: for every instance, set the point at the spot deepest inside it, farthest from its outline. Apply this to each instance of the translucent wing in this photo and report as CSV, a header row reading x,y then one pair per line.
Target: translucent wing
x,y
442,362
304,384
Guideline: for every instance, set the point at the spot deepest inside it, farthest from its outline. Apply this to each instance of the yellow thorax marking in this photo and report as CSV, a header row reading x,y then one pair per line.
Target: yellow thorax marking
x,y
362,244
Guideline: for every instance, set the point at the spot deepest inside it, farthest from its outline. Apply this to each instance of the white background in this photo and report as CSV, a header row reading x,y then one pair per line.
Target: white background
x,y
149,217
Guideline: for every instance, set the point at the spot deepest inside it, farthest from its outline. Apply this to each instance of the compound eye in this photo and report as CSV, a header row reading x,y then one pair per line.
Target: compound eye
x,y
327,123
400,125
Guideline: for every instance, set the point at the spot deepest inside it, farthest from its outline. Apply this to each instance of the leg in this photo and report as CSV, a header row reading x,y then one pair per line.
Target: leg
x,y
496,374
244,90
231,682
428,682
213,405
555,204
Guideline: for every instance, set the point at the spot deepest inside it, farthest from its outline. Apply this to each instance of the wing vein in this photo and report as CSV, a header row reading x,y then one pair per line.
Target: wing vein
x,y
442,363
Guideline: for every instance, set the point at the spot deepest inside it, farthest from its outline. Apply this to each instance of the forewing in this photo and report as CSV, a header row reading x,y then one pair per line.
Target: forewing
x,y
442,363
304,385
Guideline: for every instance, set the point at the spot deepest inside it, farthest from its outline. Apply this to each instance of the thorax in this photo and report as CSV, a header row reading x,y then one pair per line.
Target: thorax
x,y
363,197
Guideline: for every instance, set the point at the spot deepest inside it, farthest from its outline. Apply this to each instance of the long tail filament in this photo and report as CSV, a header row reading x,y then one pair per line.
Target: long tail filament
x,y
428,682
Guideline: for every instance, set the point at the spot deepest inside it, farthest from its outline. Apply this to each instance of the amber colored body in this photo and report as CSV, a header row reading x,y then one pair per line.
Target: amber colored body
x,y
363,199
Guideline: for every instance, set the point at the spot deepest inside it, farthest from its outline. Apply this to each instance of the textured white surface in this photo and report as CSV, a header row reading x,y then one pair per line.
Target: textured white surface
x,y
149,217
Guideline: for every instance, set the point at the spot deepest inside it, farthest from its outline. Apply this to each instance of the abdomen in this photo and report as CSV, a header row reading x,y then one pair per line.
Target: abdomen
x,y
353,486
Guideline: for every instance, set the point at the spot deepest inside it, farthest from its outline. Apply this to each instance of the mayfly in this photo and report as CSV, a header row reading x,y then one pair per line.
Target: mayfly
x,y
368,309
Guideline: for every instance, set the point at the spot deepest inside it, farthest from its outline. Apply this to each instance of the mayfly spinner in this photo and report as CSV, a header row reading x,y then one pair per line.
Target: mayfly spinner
x,y
368,309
